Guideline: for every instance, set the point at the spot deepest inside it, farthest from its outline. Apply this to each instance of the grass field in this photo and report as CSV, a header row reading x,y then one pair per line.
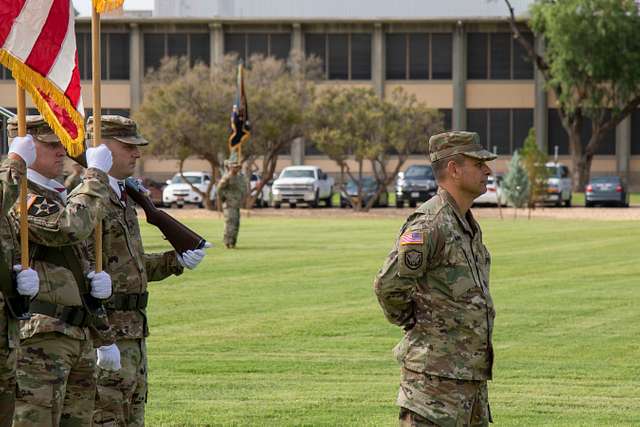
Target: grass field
x,y
285,330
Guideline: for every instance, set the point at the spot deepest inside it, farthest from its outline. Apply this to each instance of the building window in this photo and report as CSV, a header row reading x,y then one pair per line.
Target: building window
x,y
343,56
114,56
125,112
501,130
497,56
247,44
559,137
635,132
5,73
195,46
418,56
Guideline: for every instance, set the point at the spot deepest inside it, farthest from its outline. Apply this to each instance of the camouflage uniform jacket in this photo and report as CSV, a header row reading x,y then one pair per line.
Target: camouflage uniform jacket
x,y
232,189
10,173
435,284
129,267
54,223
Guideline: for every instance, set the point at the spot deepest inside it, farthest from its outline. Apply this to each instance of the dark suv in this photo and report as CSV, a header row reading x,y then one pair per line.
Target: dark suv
x,y
416,184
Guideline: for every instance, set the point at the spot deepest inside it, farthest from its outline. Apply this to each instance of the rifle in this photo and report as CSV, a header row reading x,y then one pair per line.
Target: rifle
x,y
181,237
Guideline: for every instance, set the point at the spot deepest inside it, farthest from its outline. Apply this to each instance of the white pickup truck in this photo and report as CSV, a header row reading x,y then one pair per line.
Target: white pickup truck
x,y
302,184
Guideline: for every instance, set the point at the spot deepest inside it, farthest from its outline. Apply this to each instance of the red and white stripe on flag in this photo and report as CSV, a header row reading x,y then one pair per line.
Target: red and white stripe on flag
x,y
38,45
106,5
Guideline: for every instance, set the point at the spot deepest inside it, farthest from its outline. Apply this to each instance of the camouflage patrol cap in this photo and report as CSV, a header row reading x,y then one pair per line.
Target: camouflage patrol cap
x,y
448,144
37,127
232,161
119,128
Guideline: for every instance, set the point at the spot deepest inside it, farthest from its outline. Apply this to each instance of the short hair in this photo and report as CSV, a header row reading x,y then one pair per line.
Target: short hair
x,y
440,166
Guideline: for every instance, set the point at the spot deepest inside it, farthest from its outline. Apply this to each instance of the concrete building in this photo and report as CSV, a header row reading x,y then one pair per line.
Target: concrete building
x,y
456,56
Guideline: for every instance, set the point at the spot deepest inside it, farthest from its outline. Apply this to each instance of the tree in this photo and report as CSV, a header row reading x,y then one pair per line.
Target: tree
x,y
591,64
516,183
185,112
355,125
534,163
278,94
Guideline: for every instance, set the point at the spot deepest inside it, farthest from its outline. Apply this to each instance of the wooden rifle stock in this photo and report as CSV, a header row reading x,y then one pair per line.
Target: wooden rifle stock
x,y
181,237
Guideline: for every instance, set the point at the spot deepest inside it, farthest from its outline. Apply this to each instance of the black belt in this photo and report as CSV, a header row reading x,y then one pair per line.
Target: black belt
x,y
128,302
72,315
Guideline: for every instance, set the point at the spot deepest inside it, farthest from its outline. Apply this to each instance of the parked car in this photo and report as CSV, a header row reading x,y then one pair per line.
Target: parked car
x,y
606,190
494,194
178,192
558,185
264,198
415,185
369,189
302,184
155,189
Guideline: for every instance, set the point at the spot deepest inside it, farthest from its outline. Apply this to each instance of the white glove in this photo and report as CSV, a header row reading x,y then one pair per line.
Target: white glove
x,y
27,281
100,158
109,357
24,147
100,284
190,259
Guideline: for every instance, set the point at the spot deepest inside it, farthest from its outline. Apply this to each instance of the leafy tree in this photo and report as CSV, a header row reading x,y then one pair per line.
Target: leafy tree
x,y
185,113
590,63
355,126
516,183
278,95
533,161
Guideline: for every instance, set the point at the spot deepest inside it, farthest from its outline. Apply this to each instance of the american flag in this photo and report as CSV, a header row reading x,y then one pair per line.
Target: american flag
x,y
38,45
411,238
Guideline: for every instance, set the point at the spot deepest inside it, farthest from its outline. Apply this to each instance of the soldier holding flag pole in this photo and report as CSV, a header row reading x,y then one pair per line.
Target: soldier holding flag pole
x,y
56,360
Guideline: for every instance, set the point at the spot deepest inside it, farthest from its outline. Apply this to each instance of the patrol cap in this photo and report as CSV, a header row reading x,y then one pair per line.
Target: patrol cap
x,y
232,161
119,128
37,127
449,144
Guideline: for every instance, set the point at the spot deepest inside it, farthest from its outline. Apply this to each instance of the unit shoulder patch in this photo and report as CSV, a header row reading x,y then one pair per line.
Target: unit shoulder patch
x,y
39,207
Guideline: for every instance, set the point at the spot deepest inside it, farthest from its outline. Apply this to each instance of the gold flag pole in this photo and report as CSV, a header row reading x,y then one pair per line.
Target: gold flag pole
x,y
24,225
97,122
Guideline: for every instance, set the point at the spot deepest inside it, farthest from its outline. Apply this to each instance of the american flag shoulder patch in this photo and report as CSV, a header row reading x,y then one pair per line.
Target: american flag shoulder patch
x,y
412,238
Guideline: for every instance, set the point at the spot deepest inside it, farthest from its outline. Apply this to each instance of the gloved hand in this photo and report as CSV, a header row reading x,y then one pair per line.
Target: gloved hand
x,y
100,158
100,284
190,259
24,147
27,281
109,357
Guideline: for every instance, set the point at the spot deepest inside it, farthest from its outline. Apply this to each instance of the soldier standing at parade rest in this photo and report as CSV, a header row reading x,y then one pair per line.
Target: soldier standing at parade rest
x,y
21,153
56,360
75,178
122,395
232,189
435,285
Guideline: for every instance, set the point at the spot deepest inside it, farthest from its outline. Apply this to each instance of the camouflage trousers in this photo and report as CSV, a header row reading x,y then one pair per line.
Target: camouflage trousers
x,y
56,381
231,226
428,400
7,381
122,395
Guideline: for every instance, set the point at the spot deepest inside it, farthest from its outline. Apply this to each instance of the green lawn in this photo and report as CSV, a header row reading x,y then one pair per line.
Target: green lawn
x,y
285,330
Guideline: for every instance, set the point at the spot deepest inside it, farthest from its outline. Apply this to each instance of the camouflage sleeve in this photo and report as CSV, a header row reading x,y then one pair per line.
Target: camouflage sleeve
x,y
162,265
74,223
396,281
10,173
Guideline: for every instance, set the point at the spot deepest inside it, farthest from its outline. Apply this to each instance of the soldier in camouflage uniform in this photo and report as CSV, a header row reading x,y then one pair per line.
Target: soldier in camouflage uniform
x,y
56,360
75,178
435,285
122,395
232,189
21,153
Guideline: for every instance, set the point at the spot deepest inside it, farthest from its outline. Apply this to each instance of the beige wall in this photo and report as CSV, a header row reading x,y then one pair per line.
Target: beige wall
x,y
507,94
433,93
115,94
